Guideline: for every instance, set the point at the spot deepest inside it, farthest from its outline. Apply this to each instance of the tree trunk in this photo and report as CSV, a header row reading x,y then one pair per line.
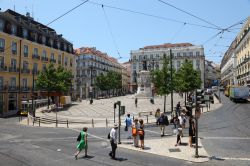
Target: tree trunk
x,y
164,103
185,94
48,99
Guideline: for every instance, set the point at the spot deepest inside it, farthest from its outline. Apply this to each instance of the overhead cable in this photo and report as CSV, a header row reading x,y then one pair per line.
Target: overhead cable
x,y
189,14
154,16
67,12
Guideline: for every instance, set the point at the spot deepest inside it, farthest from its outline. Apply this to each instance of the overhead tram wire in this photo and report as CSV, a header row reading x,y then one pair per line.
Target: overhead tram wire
x,y
67,12
110,31
190,14
154,16
177,33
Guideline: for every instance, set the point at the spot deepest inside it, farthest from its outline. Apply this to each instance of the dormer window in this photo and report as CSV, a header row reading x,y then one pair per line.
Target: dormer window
x,y
25,33
58,44
64,47
43,39
13,29
1,25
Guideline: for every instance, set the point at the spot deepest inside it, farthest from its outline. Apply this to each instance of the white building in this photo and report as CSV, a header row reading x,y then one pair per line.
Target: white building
x,y
152,58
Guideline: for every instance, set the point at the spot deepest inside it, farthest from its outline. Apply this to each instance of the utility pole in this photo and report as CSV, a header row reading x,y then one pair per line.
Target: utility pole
x,y
19,101
171,77
33,79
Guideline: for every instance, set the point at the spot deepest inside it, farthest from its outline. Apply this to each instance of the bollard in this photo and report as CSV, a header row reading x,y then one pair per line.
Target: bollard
x,y
147,118
106,122
67,123
28,121
19,118
39,122
93,123
33,121
56,122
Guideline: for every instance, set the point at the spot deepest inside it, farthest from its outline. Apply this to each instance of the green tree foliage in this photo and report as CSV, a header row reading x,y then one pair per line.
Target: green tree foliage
x,y
187,78
112,80
161,78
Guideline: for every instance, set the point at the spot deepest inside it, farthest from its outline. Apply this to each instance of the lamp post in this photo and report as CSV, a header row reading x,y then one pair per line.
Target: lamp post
x,y
171,77
91,85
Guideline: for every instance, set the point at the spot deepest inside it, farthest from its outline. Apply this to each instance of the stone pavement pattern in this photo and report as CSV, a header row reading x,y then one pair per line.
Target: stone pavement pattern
x,y
160,146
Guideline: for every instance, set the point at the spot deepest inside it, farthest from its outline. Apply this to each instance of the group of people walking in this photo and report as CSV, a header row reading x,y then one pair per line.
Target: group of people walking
x,y
135,130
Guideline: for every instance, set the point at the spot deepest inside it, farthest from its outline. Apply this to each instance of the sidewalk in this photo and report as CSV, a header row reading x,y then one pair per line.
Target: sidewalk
x,y
166,147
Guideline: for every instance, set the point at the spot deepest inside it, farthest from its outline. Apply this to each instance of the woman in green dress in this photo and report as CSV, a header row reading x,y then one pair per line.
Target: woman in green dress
x,y
82,138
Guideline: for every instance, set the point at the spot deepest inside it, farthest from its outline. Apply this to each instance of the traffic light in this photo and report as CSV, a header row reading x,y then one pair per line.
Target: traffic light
x,y
199,96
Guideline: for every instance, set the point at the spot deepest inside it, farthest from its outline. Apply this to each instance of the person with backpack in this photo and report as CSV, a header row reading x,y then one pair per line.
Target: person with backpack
x,y
113,141
162,121
141,133
82,138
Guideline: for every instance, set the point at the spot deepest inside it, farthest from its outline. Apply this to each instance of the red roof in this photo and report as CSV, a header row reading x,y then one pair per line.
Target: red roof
x,y
167,45
94,51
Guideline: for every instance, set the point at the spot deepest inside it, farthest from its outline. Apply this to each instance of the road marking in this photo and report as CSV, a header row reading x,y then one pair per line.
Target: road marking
x,y
232,158
91,135
229,138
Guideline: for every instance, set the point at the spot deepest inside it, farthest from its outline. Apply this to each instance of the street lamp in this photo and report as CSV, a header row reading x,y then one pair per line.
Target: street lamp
x,y
91,85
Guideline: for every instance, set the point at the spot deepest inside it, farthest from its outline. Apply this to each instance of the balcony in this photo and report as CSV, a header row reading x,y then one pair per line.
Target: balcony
x,y
52,60
1,49
1,87
45,59
36,72
13,69
25,88
13,88
35,56
3,68
27,71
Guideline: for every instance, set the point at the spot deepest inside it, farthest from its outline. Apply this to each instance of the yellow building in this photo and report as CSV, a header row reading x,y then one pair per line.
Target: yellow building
x,y
243,54
27,47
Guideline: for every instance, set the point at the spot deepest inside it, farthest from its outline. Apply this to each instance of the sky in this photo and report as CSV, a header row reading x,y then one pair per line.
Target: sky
x,y
120,26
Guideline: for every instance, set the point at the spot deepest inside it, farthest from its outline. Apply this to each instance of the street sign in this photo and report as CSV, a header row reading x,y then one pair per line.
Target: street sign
x,y
122,111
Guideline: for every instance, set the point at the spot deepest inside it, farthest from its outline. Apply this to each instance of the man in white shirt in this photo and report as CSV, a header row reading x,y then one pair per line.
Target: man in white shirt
x,y
113,140
182,121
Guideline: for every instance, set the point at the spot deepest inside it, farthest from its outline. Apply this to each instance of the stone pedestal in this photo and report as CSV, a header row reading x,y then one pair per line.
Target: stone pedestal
x,y
144,89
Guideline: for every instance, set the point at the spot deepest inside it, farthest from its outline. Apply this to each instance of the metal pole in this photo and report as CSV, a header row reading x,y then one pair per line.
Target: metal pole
x,y
19,77
33,93
171,77
114,111
119,125
196,128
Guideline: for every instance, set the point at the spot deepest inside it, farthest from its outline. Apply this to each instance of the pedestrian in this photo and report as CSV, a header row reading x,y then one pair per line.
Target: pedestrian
x,y
178,109
136,100
113,141
82,138
128,126
179,133
191,131
162,123
141,133
157,114
135,132
182,121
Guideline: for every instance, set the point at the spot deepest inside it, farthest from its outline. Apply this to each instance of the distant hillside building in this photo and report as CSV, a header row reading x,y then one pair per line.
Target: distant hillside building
x,y
151,58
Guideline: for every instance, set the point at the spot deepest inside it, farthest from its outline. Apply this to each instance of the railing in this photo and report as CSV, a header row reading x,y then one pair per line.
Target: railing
x,y
35,56
52,60
13,69
45,59
25,88
13,88
3,68
25,71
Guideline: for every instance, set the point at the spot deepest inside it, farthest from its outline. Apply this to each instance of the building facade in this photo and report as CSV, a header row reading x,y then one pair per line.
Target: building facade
x,y
228,66
151,58
242,52
127,66
91,63
26,49
212,74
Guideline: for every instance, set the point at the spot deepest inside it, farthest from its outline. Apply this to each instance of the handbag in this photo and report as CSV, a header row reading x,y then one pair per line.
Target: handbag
x,y
79,137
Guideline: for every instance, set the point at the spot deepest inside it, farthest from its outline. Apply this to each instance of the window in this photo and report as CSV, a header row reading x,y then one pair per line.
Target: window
x,y
13,82
44,67
36,51
25,33
66,61
178,54
1,25
178,64
44,54
25,51
191,53
197,64
52,56
2,44
13,29
14,48
157,56
35,66
184,54
134,66
59,59
25,65
13,63
1,62
1,82
151,56
24,82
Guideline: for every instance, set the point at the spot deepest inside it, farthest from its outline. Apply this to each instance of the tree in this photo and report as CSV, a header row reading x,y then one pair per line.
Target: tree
x,y
162,79
187,78
52,79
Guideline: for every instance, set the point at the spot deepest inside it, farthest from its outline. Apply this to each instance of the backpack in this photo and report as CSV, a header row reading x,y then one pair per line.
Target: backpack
x,y
108,136
166,122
